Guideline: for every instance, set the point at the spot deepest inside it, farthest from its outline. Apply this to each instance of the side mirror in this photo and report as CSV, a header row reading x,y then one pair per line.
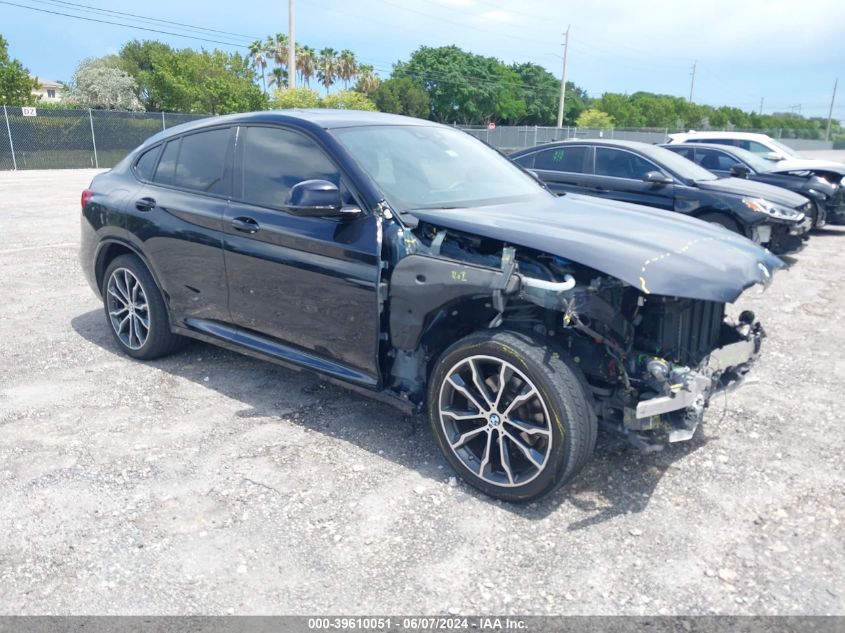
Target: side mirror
x,y
657,178
739,171
315,198
774,156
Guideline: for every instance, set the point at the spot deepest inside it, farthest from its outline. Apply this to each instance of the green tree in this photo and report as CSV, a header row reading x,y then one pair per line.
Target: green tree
x,y
294,98
368,81
348,100
465,88
209,82
541,92
100,83
16,85
136,58
595,119
402,95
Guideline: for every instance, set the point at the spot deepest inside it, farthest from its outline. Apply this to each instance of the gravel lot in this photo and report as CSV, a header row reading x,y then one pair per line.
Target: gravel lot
x,y
213,483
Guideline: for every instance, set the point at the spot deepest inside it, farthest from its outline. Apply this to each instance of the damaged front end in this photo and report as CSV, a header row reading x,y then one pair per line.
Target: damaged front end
x,y
652,361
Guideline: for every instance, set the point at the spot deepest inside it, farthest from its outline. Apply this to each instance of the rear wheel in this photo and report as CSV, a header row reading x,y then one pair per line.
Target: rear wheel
x,y
135,310
511,415
722,220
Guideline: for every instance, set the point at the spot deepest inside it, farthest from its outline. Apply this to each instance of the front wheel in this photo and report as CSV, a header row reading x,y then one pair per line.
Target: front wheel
x,y
511,415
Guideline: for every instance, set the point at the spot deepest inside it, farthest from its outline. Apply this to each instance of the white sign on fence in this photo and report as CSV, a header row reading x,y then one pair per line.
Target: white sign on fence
x,y
29,112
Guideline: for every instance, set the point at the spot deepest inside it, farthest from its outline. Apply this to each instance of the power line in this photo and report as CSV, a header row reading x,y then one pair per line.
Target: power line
x,y
88,8
129,26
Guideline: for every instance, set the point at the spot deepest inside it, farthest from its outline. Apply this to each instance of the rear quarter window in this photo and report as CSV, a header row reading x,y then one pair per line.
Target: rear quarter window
x,y
145,166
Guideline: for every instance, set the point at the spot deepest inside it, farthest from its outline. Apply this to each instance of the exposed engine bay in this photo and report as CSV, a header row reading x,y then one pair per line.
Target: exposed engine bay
x,y
652,362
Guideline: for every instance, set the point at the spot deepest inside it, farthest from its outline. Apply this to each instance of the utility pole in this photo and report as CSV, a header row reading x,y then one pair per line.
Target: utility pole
x,y
830,113
291,47
563,79
761,105
692,82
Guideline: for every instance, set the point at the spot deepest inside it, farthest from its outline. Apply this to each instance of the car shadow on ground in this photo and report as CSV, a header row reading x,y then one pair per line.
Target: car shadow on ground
x,y
618,480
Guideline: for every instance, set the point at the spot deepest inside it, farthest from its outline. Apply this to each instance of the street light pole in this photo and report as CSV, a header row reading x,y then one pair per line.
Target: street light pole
x,y
830,113
291,47
563,79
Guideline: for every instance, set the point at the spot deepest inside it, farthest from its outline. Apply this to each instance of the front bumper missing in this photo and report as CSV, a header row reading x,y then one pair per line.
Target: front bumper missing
x,y
679,412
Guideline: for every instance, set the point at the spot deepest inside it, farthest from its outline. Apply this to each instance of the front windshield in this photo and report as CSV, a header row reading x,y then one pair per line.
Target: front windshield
x,y
788,151
425,167
677,164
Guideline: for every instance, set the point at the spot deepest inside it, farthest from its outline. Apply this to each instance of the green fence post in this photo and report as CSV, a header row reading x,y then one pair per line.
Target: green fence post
x,y
11,144
93,139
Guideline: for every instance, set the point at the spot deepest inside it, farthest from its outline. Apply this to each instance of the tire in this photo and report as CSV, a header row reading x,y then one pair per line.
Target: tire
x,y
139,323
722,220
527,456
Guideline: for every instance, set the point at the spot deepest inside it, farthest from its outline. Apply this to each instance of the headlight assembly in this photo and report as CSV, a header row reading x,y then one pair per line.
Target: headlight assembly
x,y
772,210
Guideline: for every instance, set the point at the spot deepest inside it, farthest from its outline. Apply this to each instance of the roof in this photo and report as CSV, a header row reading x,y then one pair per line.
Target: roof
x,y
719,134
320,118
633,145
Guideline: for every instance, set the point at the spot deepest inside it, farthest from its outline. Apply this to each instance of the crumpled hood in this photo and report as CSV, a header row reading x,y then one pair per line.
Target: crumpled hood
x,y
807,164
753,189
659,252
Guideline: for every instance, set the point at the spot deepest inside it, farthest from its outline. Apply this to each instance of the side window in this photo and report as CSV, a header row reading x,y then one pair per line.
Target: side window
x,y
526,161
714,159
569,159
720,141
201,165
275,159
147,163
167,164
757,148
686,152
621,164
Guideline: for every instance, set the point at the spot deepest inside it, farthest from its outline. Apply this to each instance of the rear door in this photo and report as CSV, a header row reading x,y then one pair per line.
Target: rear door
x,y
182,202
619,175
563,168
307,281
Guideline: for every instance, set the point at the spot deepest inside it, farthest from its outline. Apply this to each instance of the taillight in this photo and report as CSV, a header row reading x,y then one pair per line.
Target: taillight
x,y
86,196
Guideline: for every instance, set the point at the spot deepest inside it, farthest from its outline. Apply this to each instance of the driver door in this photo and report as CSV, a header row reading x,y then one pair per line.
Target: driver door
x,y
308,282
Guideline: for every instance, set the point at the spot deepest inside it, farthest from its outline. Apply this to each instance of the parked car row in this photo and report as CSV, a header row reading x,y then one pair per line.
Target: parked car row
x,y
654,176
409,261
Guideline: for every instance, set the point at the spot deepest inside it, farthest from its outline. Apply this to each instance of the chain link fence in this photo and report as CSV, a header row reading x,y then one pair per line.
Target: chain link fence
x,y
42,138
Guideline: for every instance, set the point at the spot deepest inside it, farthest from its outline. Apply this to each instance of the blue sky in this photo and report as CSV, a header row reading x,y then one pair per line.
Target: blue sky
x,y
785,52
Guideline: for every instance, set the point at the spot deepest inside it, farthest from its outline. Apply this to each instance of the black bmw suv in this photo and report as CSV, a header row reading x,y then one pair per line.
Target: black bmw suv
x,y
650,175
408,260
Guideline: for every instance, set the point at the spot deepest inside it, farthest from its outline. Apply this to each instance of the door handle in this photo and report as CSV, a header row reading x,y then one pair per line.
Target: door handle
x,y
245,225
145,204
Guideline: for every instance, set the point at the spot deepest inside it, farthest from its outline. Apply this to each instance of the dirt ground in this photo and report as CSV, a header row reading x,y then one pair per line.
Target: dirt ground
x,y
213,483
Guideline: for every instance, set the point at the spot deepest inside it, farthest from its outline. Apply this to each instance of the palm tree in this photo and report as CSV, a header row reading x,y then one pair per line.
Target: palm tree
x,y
327,67
306,63
278,77
368,80
276,49
258,60
347,66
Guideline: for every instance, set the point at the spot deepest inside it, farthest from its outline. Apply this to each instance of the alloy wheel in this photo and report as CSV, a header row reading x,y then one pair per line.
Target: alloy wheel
x,y
495,421
128,309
